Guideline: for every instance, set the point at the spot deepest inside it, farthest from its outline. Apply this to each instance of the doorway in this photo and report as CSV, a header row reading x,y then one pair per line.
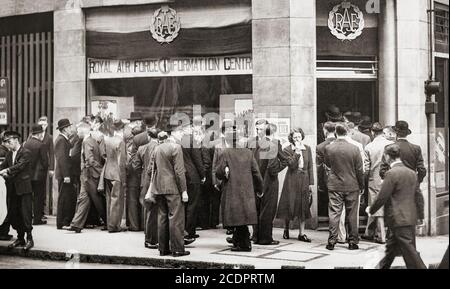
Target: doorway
x,y
348,95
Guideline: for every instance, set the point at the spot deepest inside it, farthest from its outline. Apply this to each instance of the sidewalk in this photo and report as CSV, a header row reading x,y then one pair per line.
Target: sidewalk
x,y
212,251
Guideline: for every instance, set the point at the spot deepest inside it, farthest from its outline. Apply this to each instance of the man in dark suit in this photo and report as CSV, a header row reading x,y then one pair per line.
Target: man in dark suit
x,y
16,169
4,227
170,194
48,142
195,177
67,197
329,130
39,169
143,163
411,156
398,196
134,207
91,169
345,183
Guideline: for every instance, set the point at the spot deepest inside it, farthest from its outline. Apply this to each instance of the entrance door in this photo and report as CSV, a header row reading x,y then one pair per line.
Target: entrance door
x,y
348,95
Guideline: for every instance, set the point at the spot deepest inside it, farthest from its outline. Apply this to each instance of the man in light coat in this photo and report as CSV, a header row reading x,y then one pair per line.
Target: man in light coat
x,y
375,151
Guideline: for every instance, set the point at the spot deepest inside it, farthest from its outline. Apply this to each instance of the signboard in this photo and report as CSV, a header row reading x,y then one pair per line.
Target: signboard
x,y
166,67
4,100
346,21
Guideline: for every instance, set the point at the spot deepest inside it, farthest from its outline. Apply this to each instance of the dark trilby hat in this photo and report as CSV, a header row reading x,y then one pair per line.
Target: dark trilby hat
x,y
402,126
62,123
377,127
365,123
37,129
7,135
118,125
334,114
150,120
134,116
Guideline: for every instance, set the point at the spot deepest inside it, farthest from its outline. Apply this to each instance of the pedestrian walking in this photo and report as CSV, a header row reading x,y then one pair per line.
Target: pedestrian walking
x,y
397,195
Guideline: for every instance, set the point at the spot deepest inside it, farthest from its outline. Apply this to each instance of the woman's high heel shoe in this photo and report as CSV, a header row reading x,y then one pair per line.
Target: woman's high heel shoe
x,y
286,234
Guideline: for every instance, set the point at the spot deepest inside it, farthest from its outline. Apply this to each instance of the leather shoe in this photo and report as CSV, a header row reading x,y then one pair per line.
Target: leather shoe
x,y
75,229
29,245
353,246
5,237
104,228
41,222
304,238
66,228
180,254
367,238
150,246
195,236
229,232
286,234
330,247
189,241
239,249
230,240
17,243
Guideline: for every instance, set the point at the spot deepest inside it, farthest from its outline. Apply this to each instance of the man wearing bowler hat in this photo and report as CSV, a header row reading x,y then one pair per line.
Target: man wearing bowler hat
x,y
39,168
16,170
67,197
411,156
333,114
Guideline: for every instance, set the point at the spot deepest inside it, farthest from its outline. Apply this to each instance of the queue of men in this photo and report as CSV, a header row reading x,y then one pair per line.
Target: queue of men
x,y
168,181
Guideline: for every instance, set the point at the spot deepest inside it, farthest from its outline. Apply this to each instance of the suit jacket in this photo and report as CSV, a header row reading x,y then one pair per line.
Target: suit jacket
x,y
360,137
346,167
170,176
18,171
321,168
143,163
411,156
3,152
193,162
48,142
91,158
398,196
132,145
138,140
39,159
63,164
75,155
116,159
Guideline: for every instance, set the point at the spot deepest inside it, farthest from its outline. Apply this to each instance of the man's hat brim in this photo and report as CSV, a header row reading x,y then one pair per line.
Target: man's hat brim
x,y
63,126
397,130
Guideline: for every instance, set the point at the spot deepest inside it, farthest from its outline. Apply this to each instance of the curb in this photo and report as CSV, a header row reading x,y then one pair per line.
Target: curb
x,y
121,260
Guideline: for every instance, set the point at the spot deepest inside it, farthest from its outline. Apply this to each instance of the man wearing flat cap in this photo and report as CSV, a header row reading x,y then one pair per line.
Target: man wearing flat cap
x,y
16,170
67,197
39,168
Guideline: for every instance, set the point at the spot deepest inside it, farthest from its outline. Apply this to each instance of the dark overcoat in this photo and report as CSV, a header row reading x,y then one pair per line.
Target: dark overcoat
x,y
238,191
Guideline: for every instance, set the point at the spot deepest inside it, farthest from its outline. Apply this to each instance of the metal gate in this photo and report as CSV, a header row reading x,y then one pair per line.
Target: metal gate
x,y
27,61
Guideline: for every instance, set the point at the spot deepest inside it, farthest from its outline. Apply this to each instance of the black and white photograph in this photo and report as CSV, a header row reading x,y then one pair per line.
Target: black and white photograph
x,y
224,134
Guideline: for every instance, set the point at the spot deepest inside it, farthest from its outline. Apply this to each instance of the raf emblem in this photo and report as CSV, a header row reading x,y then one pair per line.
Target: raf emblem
x,y
346,21
165,24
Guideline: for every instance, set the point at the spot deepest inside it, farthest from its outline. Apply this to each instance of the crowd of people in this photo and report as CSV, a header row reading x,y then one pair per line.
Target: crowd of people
x,y
170,181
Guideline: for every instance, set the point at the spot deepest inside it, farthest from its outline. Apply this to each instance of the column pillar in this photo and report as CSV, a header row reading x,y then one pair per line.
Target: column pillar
x,y
69,66
387,63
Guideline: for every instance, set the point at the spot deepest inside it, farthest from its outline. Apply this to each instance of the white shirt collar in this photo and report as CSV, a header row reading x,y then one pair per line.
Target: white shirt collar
x,y
396,163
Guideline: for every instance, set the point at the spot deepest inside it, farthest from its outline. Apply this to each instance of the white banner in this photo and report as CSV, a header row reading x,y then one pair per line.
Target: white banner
x,y
165,67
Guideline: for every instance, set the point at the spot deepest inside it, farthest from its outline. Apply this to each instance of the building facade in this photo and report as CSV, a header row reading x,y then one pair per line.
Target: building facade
x,y
285,60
